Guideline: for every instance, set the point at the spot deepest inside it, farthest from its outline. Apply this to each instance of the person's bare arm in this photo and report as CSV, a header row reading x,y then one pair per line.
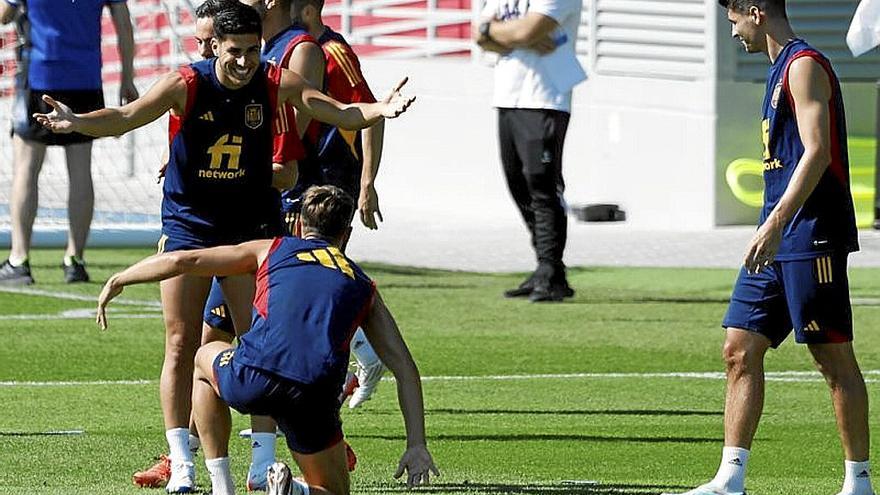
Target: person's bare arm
x,y
810,88
382,332
284,175
125,40
169,92
218,261
372,139
307,60
8,12
306,98
531,29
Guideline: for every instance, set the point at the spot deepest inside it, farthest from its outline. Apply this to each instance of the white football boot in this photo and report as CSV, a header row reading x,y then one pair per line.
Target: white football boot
x,y
368,376
183,477
279,481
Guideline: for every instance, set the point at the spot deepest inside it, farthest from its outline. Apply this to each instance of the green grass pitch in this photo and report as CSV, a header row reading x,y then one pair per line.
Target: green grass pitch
x,y
555,396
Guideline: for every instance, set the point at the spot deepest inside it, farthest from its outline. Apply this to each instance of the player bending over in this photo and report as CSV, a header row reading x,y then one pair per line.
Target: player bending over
x,y
310,299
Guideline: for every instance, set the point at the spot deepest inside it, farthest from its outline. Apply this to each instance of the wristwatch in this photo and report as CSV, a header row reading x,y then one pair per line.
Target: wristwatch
x,y
484,30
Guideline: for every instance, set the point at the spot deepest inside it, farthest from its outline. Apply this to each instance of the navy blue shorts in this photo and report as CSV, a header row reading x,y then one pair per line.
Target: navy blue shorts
x,y
169,244
810,296
27,102
308,416
216,311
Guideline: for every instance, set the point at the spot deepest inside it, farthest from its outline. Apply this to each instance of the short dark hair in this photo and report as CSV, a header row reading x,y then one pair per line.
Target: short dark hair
x,y
776,7
210,8
237,19
298,5
326,211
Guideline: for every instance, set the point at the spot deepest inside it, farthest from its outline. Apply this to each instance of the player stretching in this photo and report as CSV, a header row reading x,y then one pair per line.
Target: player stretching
x,y
290,365
794,270
218,188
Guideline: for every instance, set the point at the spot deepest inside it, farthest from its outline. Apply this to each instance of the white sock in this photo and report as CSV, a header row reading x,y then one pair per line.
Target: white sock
x,y
731,476
221,478
362,349
178,444
857,480
17,261
194,443
262,449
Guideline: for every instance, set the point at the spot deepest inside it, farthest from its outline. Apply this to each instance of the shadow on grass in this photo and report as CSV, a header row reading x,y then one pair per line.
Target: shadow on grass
x,y
546,437
557,412
560,488
580,412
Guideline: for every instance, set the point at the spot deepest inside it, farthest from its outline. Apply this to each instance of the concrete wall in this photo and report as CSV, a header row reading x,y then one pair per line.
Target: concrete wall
x,y
649,151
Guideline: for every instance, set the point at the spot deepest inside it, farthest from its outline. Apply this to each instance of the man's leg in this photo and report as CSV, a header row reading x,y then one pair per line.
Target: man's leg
x,y
838,365
540,148
27,162
212,418
81,197
516,183
743,354
326,471
183,299
80,208
239,293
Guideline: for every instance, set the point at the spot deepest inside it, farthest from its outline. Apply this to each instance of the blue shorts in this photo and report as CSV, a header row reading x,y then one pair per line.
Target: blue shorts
x,y
216,311
169,244
308,415
811,296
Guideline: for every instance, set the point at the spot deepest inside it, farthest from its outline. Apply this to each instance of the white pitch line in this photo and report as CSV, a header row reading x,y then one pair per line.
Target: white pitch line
x,y
91,316
75,297
774,376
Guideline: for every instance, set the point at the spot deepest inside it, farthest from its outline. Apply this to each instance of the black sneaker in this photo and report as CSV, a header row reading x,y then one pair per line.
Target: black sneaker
x,y
15,275
524,288
75,272
552,292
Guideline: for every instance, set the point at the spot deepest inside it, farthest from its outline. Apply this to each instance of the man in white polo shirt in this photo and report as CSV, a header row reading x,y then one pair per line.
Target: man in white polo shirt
x,y
535,73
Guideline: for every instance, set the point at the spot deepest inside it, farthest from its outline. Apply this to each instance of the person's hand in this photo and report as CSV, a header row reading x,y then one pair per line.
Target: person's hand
x,y
418,464
764,245
368,205
395,103
60,120
127,92
544,45
111,290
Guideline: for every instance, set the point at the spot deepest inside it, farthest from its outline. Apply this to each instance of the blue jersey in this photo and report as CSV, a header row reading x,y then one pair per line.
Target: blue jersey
x,y
218,184
277,50
333,155
309,301
826,222
61,43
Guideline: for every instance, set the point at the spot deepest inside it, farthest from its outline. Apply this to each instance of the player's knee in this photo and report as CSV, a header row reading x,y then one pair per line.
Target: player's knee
x,y
837,365
737,357
180,346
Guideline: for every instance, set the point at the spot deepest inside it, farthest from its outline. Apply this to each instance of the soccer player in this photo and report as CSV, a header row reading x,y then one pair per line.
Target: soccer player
x,y
333,156
290,365
346,159
795,267
222,329
218,190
